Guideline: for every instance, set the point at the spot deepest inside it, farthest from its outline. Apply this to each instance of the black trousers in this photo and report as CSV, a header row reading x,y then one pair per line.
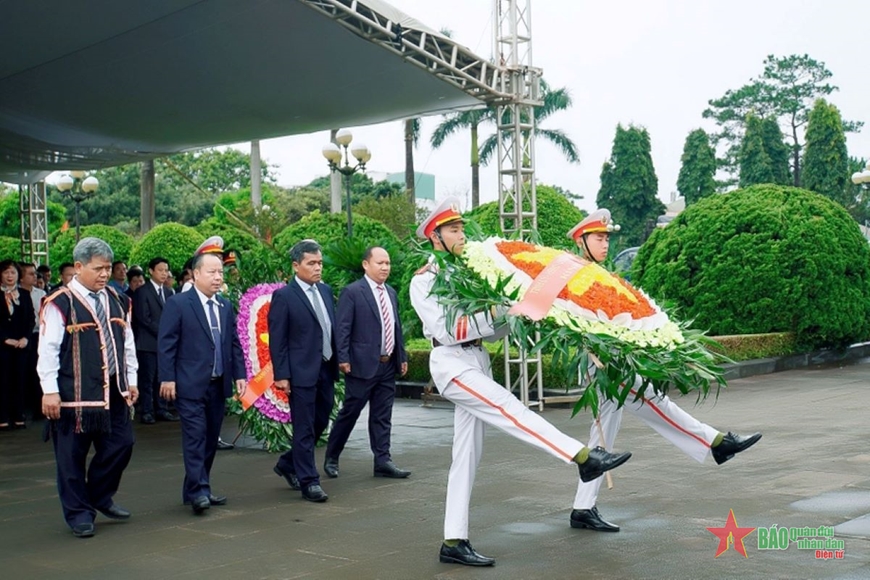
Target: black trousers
x,y
13,362
378,392
82,490
149,388
201,421
310,407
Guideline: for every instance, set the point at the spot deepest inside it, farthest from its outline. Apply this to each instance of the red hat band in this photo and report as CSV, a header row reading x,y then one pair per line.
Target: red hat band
x,y
448,215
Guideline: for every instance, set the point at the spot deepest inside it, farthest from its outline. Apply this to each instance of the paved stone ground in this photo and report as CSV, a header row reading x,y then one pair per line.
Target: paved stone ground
x,y
812,468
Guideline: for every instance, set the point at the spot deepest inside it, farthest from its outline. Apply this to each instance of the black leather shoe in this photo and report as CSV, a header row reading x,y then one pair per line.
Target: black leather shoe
x,y
83,530
167,416
599,461
389,469
591,520
148,419
732,444
115,512
291,478
463,554
224,446
200,504
314,493
217,499
330,467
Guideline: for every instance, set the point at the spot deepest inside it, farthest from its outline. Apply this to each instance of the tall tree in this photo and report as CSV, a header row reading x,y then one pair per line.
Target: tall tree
x,y
629,186
470,120
554,100
785,91
412,138
755,164
826,160
858,194
777,151
696,179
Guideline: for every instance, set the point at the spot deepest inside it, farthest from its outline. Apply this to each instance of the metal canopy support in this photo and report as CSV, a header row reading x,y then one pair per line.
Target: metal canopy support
x,y
518,208
34,222
431,51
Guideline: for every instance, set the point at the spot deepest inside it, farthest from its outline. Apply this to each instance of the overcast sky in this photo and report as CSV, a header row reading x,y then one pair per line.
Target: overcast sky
x,y
653,63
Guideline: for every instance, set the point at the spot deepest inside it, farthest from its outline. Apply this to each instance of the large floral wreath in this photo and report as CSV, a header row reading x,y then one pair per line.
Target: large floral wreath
x,y
595,324
264,410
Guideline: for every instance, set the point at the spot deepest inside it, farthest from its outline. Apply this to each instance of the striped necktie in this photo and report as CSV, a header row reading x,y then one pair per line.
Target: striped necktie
x,y
108,341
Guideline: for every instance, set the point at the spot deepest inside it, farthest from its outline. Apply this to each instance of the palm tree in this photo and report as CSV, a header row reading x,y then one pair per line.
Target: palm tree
x,y
465,120
554,100
412,138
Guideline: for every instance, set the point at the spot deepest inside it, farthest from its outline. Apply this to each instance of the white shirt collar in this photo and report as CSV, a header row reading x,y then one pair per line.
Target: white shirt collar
x,y
204,299
157,286
304,285
372,284
80,288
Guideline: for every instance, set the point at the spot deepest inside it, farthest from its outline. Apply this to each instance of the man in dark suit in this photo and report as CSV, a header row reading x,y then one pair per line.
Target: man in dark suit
x,y
199,356
302,347
371,353
148,302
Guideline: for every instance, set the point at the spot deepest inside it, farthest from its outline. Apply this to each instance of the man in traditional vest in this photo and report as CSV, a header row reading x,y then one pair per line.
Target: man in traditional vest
x,y
87,368
695,439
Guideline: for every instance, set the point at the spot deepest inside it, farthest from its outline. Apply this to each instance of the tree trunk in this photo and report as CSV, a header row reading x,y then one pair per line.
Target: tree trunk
x,y
475,168
334,182
410,181
146,194
256,195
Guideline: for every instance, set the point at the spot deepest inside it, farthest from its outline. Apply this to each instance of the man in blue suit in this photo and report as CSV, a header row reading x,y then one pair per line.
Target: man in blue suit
x,y
371,354
199,357
302,347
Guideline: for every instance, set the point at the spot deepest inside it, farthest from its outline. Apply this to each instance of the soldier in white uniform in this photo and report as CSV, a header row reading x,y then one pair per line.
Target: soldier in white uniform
x,y
460,368
695,439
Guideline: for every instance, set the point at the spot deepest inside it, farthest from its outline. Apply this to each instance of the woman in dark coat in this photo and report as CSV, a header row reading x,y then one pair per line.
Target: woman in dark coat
x,y
16,325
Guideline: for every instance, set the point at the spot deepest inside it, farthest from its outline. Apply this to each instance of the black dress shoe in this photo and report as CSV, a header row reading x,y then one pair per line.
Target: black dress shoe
x,y
314,493
330,467
115,512
731,444
217,499
463,554
200,504
291,478
389,469
224,446
148,419
599,461
167,416
591,520
83,530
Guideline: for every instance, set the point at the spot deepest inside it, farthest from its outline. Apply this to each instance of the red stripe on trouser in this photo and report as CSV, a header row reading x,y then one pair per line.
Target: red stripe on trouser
x,y
512,419
668,419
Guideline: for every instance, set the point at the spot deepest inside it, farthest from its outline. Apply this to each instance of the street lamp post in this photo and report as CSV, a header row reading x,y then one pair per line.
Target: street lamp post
x,y
333,155
78,188
862,176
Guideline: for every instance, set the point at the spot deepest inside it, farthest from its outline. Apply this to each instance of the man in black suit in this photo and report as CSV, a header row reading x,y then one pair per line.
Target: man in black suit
x,y
148,302
199,356
371,353
302,347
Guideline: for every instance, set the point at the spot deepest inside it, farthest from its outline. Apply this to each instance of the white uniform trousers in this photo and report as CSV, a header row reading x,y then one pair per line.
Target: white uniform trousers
x,y
690,435
480,401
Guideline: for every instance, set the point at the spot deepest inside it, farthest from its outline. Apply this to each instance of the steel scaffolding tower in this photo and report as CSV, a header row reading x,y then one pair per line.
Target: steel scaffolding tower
x,y
515,117
33,208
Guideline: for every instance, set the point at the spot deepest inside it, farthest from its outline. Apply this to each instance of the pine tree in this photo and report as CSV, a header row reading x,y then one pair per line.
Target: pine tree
x,y
755,163
698,168
629,186
826,160
777,151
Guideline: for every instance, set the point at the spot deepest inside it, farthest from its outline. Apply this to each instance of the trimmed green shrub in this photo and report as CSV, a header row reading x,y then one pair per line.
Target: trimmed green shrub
x,y
764,259
556,215
172,241
750,346
61,249
10,248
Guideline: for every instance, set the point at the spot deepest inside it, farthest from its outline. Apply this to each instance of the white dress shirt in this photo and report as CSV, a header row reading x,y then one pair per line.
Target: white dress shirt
x,y
53,328
204,300
305,286
376,293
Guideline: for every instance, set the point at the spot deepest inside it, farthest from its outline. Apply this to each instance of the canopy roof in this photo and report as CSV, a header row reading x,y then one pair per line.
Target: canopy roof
x,y
106,82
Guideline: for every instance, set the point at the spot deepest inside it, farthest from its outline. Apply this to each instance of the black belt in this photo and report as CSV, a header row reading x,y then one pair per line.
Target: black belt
x,y
470,344
384,358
